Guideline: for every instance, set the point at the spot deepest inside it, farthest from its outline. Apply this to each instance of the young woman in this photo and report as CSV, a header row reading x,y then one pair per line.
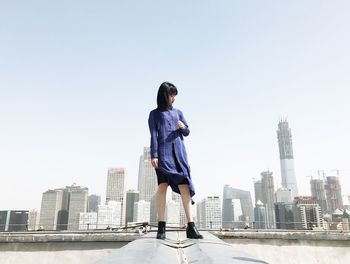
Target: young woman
x,y
169,158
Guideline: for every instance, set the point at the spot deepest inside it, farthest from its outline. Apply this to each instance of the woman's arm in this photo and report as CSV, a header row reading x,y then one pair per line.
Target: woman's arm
x,y
153,130
184,129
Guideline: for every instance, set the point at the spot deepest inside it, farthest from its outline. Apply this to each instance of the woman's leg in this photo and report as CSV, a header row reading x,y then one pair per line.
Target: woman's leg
x,y
186,200
191,230
161,198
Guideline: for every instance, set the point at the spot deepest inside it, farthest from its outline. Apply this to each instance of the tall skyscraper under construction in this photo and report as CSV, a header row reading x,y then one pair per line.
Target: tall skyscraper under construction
x,y
285,145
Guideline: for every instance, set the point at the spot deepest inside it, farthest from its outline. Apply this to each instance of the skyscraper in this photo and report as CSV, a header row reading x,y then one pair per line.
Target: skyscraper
x,y
147,179
51,204
211,215
228,210
78,202
116,188
258,191
307,213
285,216
259,216
132,196
147,182
268,197
285,145
283,195
333,194
317,191
60,208
94,202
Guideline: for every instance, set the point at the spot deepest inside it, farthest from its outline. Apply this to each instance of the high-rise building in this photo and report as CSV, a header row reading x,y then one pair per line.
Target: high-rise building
x,y
142,211
246,204
258,191
147,179
60,208
283,195
78,202
333,194
173,213
265,190
147,182
94,201
285,218
109,215
259,216
286,157
88,221
177,198
116,188
307,213
268,197
51,205
317,191
211,215
132,196
14,220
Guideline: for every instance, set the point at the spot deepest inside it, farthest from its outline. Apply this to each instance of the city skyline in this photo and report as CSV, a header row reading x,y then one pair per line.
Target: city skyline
x,y
78,80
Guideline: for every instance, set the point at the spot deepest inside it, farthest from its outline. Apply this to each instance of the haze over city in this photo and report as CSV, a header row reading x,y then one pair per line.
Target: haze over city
x,y
78,81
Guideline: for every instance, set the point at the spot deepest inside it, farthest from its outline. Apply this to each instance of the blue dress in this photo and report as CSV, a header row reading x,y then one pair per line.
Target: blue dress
x,y
167,145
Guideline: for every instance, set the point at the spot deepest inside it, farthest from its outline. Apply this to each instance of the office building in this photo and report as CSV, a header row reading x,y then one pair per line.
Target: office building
x,y
88,221
211,215
142,211
318,191
116,188
333,194
14,220
109,215
132,196
285,145
94,202
245,203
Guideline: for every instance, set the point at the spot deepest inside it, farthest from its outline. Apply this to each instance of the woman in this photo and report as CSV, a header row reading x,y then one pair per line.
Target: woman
x,y
168,156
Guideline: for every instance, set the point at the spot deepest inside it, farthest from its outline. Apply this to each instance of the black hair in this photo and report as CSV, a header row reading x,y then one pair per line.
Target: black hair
x,y
166,89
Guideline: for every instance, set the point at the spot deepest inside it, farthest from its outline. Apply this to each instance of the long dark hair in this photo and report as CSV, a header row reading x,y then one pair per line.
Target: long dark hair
x,y
165,90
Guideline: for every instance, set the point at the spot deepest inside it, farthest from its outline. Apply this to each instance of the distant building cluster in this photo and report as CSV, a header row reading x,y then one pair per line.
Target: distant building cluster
x,y
72,208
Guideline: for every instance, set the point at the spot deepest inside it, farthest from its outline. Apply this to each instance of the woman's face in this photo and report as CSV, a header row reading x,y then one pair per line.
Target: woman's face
x,y
171,99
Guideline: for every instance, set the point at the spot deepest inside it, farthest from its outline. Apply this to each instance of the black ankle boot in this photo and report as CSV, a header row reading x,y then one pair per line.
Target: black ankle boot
x,y
161,230
192,232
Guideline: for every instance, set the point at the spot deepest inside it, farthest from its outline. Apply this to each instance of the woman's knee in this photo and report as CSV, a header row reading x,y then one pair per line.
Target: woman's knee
x,y
162,188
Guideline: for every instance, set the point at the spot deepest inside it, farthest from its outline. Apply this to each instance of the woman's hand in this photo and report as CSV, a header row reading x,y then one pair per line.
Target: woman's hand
x,y
154,163
180,124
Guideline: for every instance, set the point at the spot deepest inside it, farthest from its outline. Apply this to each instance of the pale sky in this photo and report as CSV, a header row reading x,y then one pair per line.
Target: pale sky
x,y
79,78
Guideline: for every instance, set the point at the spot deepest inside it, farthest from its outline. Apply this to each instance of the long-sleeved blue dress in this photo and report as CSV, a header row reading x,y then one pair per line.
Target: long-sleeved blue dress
x,y
167,145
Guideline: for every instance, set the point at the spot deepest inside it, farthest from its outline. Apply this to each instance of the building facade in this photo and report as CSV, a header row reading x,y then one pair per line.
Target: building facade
x,y
210,213
132,196
109,215
142,211
116,188
333,194
14,220
285,145
318,191
228,217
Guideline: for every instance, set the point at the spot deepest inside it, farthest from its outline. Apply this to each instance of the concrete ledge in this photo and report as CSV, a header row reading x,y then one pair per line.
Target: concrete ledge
x,y
45,237
284,235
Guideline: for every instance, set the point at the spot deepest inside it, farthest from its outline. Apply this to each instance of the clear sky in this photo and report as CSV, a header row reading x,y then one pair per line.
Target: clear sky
x,y
79,78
